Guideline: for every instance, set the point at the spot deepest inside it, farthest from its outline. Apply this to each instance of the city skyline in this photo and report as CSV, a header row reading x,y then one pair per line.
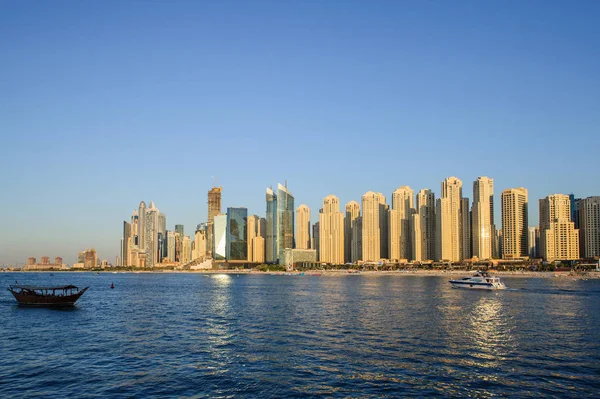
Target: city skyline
x,y
412,198
103,108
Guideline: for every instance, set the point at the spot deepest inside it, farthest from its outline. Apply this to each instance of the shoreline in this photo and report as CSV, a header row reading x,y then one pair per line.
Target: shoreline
x,y
344,272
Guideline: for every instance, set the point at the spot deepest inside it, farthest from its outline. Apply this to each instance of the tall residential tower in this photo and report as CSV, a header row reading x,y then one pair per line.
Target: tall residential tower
x,y
352,213
400,221
588,218
449,234
515,227
331,235
483,217
559,240
373,226
426,214
303,227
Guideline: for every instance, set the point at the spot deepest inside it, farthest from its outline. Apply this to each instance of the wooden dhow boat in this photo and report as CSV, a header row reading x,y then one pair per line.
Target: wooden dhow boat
x,y
31,295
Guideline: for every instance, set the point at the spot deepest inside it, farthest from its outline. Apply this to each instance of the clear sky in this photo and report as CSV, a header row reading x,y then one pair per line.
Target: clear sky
x,y
107,103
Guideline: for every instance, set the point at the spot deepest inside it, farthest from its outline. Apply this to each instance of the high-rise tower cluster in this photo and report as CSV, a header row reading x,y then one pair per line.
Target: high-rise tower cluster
x,y
416,228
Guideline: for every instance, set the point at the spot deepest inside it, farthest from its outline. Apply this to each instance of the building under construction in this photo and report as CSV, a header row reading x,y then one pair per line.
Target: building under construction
x,y
214,209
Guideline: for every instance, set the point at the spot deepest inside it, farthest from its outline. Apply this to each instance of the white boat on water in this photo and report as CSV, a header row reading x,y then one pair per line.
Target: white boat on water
x,y
479,281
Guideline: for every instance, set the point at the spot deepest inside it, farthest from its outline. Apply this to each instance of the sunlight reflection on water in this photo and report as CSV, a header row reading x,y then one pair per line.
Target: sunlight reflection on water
x,y
182,335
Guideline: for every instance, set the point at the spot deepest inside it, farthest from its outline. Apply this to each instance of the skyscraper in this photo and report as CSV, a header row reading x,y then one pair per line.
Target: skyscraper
x,y
465,229
214,209
162,236
449,234
352,212
356,250
384,228
372,226
220,237
162,223
142,226
214,202
285,219
200,242
256,240
179,230
162,247
151,235
316,239
559,240
534,242
125,243
252,231
271,234
483,213
588,218
186,250
171,245
417,251
303,227
400,240
237,234
515,223
331,222
426,212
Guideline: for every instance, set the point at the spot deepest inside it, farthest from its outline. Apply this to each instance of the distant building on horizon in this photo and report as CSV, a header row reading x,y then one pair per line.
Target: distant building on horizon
x,y
44,264
90,259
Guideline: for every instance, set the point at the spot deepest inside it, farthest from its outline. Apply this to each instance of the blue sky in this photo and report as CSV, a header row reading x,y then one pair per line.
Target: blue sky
x,y
105,104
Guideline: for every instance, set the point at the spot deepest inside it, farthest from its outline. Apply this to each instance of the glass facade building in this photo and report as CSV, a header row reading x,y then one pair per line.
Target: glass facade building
x,y
220,235
237,234
162,247
285,219
271,228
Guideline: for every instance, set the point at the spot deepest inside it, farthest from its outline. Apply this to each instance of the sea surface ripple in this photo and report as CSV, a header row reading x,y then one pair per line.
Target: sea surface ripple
x,y
185,335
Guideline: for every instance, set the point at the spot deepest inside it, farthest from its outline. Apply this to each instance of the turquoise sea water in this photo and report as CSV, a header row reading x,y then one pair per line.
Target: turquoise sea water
x,y
194,336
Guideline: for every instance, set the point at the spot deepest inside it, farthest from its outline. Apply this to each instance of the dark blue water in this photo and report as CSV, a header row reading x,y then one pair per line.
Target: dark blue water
x,y
190,336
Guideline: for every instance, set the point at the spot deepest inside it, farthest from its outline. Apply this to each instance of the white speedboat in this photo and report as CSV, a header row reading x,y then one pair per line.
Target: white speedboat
x,y
479,281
